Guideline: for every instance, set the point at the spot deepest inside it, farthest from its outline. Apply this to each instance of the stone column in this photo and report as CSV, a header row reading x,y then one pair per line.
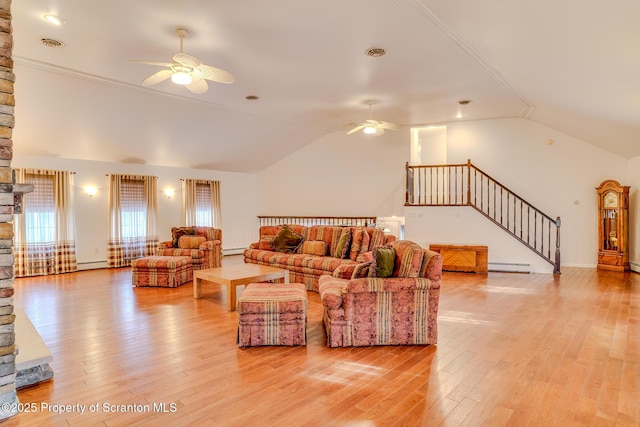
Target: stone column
x,y
7,102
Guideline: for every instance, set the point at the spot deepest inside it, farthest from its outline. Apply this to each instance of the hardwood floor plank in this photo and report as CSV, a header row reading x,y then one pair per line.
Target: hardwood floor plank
x,y
514,349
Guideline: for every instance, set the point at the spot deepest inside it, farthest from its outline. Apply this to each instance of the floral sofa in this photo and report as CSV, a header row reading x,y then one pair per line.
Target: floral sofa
x,y
401,309
315,250
202,244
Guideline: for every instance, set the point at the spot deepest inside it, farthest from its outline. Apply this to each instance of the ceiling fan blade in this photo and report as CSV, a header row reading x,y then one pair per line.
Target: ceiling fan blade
x,y
160,64
356,129
389,125
157,77
187,60
198,86
214,74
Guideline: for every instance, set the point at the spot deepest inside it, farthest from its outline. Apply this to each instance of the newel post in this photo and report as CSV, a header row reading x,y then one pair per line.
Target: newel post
x,y
408,193
556,265
468,181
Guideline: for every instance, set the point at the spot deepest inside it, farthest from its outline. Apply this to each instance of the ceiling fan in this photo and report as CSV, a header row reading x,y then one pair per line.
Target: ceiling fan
x,y
186,70
371,126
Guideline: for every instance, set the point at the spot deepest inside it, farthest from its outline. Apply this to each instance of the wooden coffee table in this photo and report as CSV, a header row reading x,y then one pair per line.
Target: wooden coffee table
x,y
235,275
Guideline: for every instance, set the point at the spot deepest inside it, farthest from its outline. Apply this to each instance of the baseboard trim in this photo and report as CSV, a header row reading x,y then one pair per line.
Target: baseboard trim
x,y
92,265
233,251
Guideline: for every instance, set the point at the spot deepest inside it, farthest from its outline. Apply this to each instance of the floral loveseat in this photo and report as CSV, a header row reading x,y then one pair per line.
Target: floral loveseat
x,y
315,250
202,244
395,310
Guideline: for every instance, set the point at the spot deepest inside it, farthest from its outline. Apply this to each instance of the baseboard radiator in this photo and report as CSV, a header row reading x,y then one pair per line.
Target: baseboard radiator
x,y
506,267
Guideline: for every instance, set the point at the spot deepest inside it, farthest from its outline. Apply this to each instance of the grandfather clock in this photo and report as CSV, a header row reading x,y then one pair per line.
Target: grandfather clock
x,y
613,226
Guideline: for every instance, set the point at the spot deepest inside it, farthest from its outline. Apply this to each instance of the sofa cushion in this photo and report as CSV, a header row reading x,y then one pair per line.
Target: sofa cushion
x,y
329,234
359,242
342,248
314,247
265,244
378,238
383,263
361,270
177,232
408,258
209,233
190,242
286,240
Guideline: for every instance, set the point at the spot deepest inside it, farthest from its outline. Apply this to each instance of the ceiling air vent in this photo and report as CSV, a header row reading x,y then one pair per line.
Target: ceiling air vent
x,y
51,42
376,52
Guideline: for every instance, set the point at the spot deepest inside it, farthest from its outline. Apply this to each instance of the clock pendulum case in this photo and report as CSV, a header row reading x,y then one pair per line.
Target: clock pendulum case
x,y
613,226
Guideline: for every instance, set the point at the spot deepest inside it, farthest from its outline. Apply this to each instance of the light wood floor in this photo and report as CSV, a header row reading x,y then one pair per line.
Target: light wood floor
x,y
514,349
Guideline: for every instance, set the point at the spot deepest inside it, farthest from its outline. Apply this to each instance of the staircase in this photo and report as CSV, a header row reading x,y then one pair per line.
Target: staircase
x,y
467,185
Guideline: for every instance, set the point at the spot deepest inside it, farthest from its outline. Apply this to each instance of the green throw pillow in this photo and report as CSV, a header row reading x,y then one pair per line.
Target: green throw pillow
x,y
286,240
385,259
342,249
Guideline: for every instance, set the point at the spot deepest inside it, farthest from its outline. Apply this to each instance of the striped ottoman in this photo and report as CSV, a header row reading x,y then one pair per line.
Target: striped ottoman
x,y
161,271
272,314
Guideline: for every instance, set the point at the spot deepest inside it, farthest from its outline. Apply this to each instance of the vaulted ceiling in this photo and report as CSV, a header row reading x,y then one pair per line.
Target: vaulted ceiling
x,y
571,65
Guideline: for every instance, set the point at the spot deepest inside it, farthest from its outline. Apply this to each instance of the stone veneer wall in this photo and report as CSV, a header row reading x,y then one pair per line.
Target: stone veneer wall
x,y
7,102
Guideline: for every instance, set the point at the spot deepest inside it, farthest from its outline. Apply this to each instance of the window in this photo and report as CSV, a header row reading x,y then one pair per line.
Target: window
x,y
201,203
133,211
40,217
44,236
133,207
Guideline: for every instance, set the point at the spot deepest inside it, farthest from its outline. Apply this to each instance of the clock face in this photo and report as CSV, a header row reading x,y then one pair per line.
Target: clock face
x,y
611,200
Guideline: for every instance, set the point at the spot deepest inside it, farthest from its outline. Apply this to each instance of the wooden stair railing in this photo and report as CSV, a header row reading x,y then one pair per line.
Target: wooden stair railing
x,y
467,185
365,221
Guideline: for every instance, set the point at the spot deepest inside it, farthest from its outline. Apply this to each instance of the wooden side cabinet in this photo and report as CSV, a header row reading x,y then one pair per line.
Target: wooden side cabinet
x,y
467,258
613,226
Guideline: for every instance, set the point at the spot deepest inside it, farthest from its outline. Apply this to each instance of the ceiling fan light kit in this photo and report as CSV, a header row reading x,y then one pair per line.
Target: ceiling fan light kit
x,y
186,70
369,130
181,78
373,127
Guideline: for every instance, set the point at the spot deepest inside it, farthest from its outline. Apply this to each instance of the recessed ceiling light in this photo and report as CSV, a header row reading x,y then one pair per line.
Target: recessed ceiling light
x,y
51,42
376,52
53,19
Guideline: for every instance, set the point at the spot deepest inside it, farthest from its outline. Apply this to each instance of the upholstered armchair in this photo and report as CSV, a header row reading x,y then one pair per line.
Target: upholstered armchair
x,y
398,310
202,244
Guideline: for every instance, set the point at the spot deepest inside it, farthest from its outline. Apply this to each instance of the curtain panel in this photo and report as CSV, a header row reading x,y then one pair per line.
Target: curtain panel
x,y
201,203
133,213
44,234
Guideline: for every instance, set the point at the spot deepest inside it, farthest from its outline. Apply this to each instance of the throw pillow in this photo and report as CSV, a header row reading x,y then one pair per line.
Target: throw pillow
x,y
265,244
286,240
359,242
342,248
384,259
314,247
190,242
177,232
361,270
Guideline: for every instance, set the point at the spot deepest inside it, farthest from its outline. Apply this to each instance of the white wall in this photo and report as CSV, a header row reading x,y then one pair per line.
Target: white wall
x,y
553,171
360,175
238,194
634,212
339,175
